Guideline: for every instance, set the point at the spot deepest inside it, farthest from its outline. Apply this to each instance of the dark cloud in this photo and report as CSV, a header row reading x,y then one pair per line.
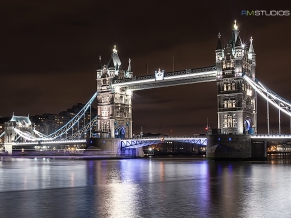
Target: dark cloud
x,y
49,54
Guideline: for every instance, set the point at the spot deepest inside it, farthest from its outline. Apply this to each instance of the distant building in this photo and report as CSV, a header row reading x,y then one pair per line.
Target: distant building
x,y
49,123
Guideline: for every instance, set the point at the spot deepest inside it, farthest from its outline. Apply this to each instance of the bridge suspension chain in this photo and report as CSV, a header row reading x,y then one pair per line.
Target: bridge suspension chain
x,y
27,135
43,136
84,129
64,129
270,96
2,134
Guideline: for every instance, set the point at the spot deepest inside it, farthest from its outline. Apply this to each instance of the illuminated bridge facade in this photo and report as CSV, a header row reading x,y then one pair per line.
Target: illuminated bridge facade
x,y
237,92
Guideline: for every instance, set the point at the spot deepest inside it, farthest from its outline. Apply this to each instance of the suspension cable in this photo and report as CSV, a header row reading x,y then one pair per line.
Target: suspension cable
x,y
270,96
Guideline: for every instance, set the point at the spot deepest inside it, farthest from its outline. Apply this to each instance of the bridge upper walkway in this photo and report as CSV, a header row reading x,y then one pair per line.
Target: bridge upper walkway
x,y
188,76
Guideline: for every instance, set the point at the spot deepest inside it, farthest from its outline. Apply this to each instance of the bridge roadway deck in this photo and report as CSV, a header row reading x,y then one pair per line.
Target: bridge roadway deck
x,y
271,137
189,76
80,141
140,142
126,143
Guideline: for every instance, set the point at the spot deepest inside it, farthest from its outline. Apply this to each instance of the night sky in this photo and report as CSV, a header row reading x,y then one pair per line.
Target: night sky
x,y
49,53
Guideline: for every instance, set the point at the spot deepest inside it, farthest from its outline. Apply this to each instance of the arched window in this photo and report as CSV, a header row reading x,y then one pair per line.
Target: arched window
x,y
229,121
234,122
229,87
229,105
224,124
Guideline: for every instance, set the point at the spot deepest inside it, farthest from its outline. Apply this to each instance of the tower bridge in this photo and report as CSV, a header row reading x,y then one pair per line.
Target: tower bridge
x,y
234,72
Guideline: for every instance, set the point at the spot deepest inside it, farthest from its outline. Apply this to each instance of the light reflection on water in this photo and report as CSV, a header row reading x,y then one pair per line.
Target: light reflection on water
x,y
154,187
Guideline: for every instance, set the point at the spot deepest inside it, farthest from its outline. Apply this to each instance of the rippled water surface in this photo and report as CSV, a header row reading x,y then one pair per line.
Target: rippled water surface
x,y
154,187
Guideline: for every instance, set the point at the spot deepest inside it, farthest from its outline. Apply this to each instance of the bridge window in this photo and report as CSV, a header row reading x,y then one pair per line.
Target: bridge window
x,y
229,87
233,85
229,121
104,113
249,92
224,87
224,123
234,123
229,103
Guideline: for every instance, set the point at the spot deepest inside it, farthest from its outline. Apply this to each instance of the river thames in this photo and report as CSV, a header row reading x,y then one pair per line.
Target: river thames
x,y
144,187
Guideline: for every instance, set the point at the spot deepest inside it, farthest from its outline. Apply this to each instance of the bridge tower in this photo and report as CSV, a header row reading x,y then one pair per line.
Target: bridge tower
x,y
20,122
114,106
235,98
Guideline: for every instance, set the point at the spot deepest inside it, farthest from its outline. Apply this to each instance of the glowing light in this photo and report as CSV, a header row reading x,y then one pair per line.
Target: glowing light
x,y
117,89
192,75
129,92
271,136
207,73
114,50
235,26
243,45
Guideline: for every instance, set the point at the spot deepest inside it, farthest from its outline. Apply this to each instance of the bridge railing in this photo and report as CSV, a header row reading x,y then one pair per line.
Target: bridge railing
x,y
145,141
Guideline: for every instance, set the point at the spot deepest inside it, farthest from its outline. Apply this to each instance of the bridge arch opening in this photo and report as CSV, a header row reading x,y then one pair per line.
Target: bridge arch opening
x,y
120,132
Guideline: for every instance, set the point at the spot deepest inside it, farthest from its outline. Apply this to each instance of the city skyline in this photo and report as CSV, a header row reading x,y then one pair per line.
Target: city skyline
x,y
51,53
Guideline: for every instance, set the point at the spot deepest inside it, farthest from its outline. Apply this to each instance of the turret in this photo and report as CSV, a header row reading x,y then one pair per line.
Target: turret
x,y
128,73
251,53
219,56
114,62
252,58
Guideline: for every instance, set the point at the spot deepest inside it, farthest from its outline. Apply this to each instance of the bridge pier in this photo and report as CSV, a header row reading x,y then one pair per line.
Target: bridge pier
x,y
8,148
235,147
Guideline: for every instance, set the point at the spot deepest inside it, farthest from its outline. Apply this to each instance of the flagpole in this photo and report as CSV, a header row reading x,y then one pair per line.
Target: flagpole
x,y
173,64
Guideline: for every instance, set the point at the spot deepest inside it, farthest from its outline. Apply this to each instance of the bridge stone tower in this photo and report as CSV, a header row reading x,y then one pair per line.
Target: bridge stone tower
x,y
19,122
236,100
114,106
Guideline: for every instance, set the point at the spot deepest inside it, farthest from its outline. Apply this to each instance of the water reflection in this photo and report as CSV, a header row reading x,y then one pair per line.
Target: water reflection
x,y
143,188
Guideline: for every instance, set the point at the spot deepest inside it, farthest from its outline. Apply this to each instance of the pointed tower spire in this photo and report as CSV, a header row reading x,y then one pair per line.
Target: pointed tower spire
x,y
251,48
100,64
129,65
235,27
114,50
238,42
218,46
251,53
234,35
